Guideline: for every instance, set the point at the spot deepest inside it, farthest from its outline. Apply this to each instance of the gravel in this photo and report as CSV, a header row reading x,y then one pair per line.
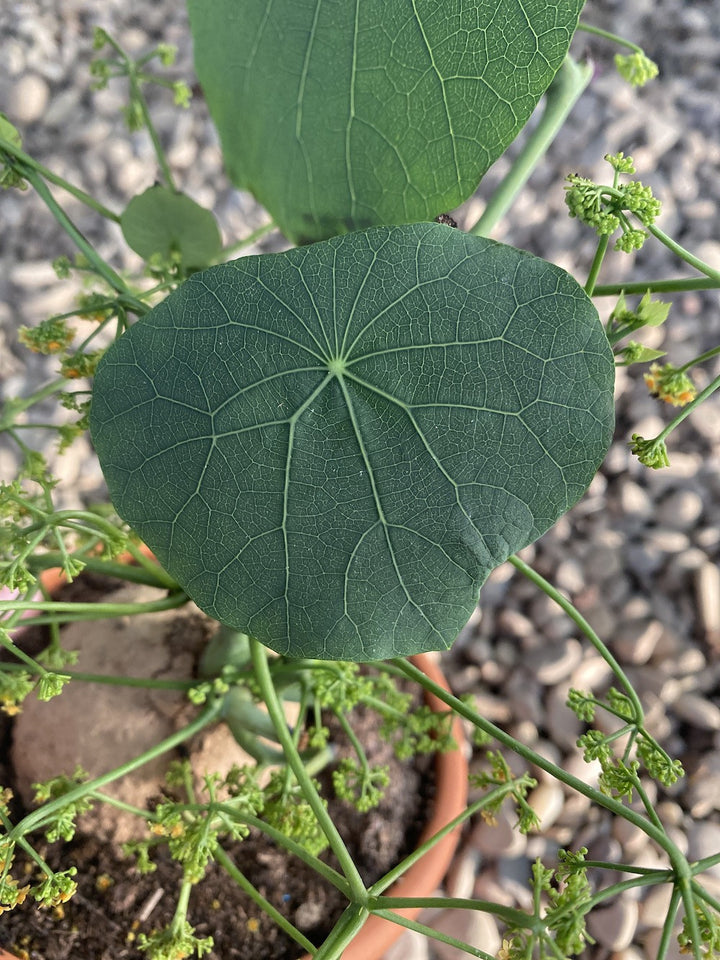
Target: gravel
x,y
638,556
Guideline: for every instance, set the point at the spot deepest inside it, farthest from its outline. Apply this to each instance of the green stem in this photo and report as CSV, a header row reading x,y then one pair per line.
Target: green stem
x,y
102,269
278,837
95,611
109,568
137,94
17,405
699,359
599,32
25,160
241,880
582,623
656,286
399,869
112,681
596,264
687,410
684,254
680,865
427,931
151,565
294,760
37,818
181,907
561,96
508,915
245,242
667,930
342,933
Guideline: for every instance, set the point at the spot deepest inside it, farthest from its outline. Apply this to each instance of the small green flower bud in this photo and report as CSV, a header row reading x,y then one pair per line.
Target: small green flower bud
x,y
636,68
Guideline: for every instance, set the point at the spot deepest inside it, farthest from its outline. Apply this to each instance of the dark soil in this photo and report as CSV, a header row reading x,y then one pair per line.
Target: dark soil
x,y
102,921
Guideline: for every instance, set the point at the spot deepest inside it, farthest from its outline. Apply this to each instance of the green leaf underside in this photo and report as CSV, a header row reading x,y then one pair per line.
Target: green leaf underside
x,y
331,448
340,115
161,221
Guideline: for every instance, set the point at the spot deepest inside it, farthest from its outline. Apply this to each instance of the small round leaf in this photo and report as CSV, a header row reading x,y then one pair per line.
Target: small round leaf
x,y
163,222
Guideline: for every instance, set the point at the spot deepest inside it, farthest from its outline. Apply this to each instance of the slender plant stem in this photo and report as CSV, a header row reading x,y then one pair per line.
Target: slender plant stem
x,y
677,859
241,880
596,264
561,96
294,760
684,254
139,97
708,355
150,565
278,837
102,269
245,242
667,930
16,406
96,611
399,869
508,915
427,931
687,410
613,37
110,568
656,286
25,160
342,933
37,818
582,623
108,679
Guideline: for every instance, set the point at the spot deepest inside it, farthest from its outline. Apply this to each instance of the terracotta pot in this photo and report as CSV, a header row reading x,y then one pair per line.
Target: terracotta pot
x,y
425,876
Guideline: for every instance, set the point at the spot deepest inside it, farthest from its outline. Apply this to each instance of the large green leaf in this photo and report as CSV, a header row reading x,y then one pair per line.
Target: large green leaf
x,y
342,114
331,448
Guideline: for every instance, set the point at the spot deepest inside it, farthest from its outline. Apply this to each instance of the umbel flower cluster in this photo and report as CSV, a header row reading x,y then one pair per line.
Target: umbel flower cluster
x,y
605,208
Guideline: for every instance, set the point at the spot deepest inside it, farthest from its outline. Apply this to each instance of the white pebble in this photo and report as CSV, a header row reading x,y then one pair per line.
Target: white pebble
x,y
476,928
635,642
707,591
547,801
28,99
411,946
654,908
555,662
680,510
651,943
704,841
703,792
499,839
697,711
614,926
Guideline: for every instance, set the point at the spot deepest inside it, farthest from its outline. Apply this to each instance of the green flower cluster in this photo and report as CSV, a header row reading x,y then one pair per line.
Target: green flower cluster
x,y
605,207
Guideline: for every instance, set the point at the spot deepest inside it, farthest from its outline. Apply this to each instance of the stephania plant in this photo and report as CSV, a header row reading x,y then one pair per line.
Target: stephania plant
x,y
329,449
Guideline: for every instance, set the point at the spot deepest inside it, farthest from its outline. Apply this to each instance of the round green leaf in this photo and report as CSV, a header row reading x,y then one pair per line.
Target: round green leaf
x,y
331,448
161,221
342,115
